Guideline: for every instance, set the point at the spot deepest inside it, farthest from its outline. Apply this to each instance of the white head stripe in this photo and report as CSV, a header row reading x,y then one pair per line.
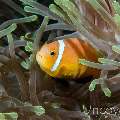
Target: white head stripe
x,y
60,54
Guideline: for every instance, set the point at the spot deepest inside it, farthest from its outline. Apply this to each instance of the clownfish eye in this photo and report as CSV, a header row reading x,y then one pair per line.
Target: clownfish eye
x,y
52,53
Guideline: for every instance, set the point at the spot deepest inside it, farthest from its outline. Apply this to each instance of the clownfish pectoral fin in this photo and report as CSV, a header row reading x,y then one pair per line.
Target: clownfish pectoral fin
x,y
61,72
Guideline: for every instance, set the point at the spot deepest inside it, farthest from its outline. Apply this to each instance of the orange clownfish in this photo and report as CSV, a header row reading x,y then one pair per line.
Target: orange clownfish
x,y
61,58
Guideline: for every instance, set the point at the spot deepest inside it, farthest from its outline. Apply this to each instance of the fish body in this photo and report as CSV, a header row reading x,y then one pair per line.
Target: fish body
x,y
61,58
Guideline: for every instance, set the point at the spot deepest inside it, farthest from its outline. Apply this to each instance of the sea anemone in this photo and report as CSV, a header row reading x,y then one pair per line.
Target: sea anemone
x,y
29,93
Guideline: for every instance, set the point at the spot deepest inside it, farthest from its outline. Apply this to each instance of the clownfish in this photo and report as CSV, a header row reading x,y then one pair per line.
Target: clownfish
x,y
61,58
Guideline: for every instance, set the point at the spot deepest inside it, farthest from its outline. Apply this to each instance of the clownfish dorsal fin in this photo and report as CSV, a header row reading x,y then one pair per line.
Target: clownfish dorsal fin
x,y
60,54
